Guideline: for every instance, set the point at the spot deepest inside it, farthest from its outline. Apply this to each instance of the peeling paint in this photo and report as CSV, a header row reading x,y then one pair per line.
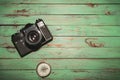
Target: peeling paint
x,y
21,11
92,5
112,70
108,13
56,45
90,42
16,15
82,79
59,29
79,70
5,45
69,38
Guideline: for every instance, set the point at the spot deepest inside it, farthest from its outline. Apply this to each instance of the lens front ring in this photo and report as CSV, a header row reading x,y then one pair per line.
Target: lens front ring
x,y
33,37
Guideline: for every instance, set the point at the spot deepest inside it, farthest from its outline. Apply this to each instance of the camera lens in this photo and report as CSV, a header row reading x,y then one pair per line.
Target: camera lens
x,y
33,36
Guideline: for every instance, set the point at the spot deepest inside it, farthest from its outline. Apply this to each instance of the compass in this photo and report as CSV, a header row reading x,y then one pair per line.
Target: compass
x,y
43,69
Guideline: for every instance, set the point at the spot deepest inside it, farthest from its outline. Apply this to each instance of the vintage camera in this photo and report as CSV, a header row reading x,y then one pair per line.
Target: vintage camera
x,y
31,37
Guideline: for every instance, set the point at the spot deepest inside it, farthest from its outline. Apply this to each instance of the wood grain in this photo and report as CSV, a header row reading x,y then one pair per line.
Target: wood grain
x,y
58,31
107,74
61,63
62,19
72,53
59,1
96,9
73,42
86,44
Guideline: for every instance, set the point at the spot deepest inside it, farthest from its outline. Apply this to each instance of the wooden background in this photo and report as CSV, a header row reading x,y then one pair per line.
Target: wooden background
x,y
86,43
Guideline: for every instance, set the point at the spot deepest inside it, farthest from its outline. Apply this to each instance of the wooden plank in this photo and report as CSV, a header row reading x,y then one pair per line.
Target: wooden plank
x,y
59,1
61,63
64,53
60,9
73,42
61,75
89,50
62,19
69,30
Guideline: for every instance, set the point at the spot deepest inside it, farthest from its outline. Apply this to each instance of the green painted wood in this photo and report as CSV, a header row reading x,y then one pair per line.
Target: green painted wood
x,y
64,53
59,1
60,9
86,39
62,19
61,63
73,42
69,30
61,75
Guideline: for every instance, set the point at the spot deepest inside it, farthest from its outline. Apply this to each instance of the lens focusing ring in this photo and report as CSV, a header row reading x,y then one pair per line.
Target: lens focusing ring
x,y
33,37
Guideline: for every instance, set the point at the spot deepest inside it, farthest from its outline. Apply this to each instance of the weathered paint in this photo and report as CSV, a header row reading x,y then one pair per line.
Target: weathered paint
x,y
86,43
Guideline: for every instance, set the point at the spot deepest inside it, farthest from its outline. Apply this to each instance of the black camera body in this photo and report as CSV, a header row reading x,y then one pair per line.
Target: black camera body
x,y
31,37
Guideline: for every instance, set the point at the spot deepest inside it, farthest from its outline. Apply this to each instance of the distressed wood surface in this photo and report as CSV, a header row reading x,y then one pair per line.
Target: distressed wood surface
x,y
72,53
73,42
61,19
57,63
61,9
108,74
59,1
58,31
86,43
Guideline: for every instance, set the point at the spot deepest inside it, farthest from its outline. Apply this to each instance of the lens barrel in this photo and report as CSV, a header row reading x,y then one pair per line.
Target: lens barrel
x,y
33,36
